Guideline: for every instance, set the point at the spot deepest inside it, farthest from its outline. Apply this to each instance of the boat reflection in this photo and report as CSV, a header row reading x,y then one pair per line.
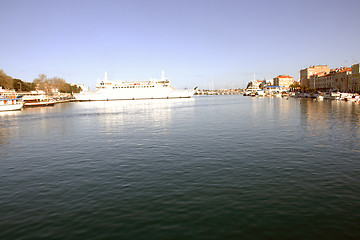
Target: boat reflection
x,y
8,127
115,116
4,115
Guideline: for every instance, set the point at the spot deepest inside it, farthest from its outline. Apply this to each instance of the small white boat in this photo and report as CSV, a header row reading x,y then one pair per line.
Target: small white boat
x,y
260,93
332,95
251,91
319,96
352,98
10,104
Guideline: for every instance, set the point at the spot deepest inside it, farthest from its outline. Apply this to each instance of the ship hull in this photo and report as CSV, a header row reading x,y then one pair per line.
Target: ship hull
x,y
11,107
133,94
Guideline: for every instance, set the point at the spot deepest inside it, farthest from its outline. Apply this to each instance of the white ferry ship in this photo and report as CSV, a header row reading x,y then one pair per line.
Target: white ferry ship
x,y
120,90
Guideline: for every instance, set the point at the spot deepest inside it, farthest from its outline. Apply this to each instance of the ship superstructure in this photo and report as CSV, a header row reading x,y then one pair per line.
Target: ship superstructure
x,y
121,90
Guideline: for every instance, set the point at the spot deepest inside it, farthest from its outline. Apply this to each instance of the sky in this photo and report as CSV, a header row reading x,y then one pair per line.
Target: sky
x,y
207,43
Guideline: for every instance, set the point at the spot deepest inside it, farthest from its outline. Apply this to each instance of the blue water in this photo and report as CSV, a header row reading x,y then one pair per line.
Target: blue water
x,y
209,167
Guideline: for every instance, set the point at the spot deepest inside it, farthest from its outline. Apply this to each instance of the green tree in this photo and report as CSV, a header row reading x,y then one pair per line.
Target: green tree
x,y
20,85
295,86
75,89
304,88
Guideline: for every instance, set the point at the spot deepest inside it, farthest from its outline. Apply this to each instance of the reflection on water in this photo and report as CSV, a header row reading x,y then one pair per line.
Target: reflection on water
x,y
114,115
8,128
3,115
280,110
43,124
331,121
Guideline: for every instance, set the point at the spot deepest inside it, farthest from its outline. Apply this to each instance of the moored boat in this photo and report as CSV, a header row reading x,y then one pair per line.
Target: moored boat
x,y
11,104
260,93
320,97
38,101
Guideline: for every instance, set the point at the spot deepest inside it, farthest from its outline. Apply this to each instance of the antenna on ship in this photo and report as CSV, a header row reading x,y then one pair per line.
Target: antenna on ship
x,y
105,78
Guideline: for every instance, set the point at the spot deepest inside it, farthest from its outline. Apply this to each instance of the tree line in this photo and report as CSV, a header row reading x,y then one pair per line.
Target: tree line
x,y
42,82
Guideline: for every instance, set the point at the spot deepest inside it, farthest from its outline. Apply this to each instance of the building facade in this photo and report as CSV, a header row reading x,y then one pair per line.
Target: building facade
x,y
337,80
354,78
283,81
306,73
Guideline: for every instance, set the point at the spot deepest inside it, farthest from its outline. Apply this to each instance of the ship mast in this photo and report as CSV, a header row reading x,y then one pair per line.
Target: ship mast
x,y
163,75
105,77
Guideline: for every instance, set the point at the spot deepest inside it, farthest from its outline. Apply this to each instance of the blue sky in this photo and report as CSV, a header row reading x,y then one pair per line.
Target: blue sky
x,y
205,43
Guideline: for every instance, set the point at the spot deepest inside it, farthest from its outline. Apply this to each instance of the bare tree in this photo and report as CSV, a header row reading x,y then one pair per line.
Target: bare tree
x,y
50,85
40,82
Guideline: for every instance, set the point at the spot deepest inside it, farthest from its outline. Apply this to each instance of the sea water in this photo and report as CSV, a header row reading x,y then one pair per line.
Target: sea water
x,y
208,167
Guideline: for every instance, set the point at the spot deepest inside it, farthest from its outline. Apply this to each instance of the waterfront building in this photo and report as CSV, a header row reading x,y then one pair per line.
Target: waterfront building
x,y
354,78
306,73
283,81
340,80
337,79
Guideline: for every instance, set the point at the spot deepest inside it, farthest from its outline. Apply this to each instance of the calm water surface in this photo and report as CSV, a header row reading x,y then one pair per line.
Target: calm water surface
x,y
216,167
